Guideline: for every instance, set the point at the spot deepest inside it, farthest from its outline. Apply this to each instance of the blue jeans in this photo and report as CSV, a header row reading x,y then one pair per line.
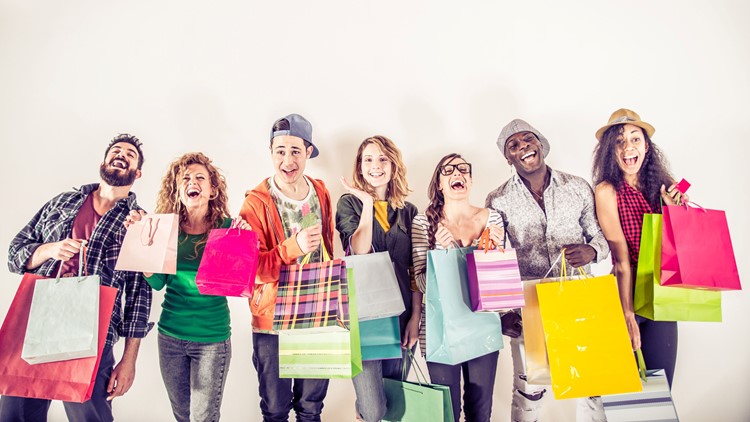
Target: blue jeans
x,y
280,395
368,387
21,409
194,374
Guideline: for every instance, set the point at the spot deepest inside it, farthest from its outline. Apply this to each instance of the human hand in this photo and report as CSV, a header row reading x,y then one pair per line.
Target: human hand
x,y
133,216
240,223
579,254
121,379
672,196
496,235
411,332
359,193
633,330
309,238
64,249
444,237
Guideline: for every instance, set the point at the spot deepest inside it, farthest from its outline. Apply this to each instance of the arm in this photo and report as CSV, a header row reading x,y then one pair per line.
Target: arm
x,y
606,211
596,247
124,373
359,239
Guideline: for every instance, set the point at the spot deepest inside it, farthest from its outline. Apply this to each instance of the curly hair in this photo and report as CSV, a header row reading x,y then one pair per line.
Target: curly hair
x,y
132,140
653,173
434,211
398,188
168,200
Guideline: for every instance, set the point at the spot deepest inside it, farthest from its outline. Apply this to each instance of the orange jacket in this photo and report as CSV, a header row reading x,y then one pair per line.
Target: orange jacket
x,y
276,250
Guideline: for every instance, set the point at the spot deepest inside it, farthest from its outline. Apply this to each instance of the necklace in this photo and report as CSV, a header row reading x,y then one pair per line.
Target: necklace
x,y
539,198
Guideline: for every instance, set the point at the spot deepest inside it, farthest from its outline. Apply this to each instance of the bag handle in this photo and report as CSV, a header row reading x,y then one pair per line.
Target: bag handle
x,y
324,256
419,372
81,265
151,231
563,266
641,364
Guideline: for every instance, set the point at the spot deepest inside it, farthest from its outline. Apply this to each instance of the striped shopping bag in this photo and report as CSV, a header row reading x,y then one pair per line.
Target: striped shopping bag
x,y
309,295
653,404
494,280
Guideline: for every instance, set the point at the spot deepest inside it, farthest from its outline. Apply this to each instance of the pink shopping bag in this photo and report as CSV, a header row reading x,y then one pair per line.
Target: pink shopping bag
x,y
229,263
150,245
696,249
494,280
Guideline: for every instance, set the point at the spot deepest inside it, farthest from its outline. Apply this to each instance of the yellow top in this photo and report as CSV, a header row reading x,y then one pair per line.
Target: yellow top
x,y
381,214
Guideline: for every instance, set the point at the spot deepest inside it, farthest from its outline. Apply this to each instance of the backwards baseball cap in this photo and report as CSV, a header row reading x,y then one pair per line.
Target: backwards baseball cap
x,y
299,127
518,126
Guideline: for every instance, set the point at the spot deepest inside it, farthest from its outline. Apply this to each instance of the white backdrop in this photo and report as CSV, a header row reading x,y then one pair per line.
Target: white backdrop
x,y
434,76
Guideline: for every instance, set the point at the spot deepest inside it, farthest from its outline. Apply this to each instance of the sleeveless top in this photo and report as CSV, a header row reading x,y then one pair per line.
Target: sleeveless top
x,y
631,205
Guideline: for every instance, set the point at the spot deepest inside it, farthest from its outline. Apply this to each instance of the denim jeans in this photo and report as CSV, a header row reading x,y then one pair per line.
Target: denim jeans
x,y
368,387
479,382
280,395
527,398
97,409
194,374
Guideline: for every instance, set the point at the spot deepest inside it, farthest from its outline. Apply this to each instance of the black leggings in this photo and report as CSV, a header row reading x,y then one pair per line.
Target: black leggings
x,y
659,344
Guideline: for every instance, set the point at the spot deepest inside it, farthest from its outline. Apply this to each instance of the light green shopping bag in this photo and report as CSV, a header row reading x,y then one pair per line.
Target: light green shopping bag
x,y
417,402
667,303
321,353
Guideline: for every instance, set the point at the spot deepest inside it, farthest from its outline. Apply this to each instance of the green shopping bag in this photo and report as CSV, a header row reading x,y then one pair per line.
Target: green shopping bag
x,y
667,303
418,402
320,353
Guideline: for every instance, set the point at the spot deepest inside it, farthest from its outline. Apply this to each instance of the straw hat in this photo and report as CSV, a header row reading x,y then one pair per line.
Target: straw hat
x,y
625,116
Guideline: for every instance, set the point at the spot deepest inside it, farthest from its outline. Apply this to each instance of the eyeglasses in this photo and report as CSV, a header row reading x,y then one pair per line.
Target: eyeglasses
x,y
448,169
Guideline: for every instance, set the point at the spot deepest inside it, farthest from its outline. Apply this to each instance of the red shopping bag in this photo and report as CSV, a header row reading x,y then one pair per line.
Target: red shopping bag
x,y
70,380
229,263
696,249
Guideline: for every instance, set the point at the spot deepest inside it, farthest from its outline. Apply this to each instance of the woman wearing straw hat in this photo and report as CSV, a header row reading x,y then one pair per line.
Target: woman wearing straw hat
x,y
632,179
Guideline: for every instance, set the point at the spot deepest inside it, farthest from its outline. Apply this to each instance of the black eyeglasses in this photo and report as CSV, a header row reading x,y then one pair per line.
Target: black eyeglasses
x,y
448,169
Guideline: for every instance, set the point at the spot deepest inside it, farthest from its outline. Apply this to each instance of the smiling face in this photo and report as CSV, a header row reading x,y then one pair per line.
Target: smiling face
x,y
524,152
289,158
195,186
376,169
630,150
455,178
120,165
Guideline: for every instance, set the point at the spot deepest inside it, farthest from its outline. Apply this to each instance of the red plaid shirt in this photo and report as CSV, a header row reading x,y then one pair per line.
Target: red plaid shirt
x,y
631,205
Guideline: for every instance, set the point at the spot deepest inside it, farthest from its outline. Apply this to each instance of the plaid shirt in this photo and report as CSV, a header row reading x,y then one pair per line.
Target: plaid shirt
x,y
631,206
538,236
54,222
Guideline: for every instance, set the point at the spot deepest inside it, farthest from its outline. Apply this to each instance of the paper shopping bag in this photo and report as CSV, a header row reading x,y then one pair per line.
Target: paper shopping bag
x,y
150,245
229,263
416,401
308,295
696,249
69,380
588,345
324,352
494,280
379,294
666,303
653,404
63,320
380,338
454,333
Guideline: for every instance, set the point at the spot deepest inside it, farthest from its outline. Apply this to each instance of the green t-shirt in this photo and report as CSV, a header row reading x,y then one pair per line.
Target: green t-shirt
x,y
186,314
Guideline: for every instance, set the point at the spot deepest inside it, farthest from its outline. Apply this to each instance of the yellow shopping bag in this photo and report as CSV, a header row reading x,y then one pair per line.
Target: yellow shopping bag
x,y
588,345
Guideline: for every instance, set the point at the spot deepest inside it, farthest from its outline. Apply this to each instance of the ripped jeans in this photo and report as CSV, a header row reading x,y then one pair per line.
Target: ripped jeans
x,y
527,400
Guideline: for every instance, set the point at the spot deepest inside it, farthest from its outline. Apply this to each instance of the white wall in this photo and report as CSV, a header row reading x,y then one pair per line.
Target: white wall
x,y
434,76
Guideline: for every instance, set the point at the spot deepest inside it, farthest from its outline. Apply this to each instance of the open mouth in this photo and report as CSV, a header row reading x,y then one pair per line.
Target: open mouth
x,y
630,160
119,163
528,155
289,172
458,185
193,193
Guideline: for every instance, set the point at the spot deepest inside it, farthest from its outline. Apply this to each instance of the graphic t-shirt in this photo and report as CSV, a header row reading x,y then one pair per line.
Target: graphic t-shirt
x,y
297,215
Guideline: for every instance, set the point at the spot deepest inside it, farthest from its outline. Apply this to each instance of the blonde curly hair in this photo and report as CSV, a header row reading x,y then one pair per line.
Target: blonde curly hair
x,y
168,200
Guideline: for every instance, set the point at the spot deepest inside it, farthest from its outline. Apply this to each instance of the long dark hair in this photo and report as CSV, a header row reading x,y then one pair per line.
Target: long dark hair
x,y
653,173
434,211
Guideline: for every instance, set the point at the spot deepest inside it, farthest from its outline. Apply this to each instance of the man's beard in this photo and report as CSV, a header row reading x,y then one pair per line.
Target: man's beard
x,y
113,177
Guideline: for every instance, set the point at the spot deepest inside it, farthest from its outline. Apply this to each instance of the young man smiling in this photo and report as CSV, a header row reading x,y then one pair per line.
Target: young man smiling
x,y
52,239
292,215
544,211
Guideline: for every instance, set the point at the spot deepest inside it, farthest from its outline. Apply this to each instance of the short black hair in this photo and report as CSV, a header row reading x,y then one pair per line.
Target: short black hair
x,y
132,140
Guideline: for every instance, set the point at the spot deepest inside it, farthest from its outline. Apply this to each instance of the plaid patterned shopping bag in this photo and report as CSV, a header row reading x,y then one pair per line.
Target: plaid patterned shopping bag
x,y
309,295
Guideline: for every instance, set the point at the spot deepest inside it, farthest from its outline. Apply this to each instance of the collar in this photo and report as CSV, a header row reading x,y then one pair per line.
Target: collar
x,y
85,190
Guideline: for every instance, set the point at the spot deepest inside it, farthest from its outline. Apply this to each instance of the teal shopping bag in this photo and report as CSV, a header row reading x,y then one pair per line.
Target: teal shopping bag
x,y
380,338
416,402
454,333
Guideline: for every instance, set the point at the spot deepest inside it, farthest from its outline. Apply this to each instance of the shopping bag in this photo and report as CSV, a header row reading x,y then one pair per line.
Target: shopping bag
x,y
696,249
653,404
150,245
379,294
667,303
69,380
454,333
416,401
324,352
380,338
229,263
588,345
494,280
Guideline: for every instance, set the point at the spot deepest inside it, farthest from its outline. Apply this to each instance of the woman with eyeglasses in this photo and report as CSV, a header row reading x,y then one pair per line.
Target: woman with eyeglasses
x,y
450,221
